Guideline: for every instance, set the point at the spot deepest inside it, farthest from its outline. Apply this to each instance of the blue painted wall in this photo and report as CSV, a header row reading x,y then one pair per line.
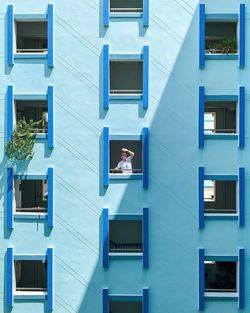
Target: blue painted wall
x,y
174,156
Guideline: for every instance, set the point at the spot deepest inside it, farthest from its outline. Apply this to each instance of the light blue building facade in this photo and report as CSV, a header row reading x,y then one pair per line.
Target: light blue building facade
x,y
79,233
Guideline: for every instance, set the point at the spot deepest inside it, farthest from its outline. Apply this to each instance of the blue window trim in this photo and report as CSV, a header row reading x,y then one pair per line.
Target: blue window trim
x,y
10,198
242,35
145,148
145,238
10,105
241,117
50,279
241,196
10,258
201,279
105,300
201,115
201,196
145,302
50,12
107,57
145,13
106,13
221,177
202,36
105,238
241,279
50,96
221,56
10,31
50,196
221,98
106,156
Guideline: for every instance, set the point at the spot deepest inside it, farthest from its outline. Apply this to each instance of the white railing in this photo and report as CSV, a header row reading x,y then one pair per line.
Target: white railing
x,y
125,91
32,50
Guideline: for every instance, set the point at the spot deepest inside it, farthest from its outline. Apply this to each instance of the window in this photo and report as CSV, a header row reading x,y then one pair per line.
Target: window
x,y
31,196
220,117
126,157
221,37
220,276
30,276
31,36
125,306
125,236
33,110
126,77
125,6
220,196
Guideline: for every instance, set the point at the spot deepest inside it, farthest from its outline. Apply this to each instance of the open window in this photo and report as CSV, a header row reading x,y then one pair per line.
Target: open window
x,y
31,36
125,306
220,117
31,196
36,110
126,77
126,157
125,236
220,276
30,276
220,196
126,6
221,37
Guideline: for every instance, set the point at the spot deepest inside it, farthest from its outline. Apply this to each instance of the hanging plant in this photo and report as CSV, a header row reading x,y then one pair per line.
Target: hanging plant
x,y
22,140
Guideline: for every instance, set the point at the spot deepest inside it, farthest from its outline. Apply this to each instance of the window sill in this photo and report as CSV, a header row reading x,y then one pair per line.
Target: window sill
x,y
221,136
126,15
125,176
221,56
30,55
125,255
221,216
125,97
31,216
221,295
30,295
41,136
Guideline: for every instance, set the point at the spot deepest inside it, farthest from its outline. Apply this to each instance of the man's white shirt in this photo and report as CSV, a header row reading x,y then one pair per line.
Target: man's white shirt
x,y
126,165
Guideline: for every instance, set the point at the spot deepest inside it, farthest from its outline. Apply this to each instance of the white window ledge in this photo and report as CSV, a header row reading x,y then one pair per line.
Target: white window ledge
x,y
33,216
221,294
125,255
125,176
26,295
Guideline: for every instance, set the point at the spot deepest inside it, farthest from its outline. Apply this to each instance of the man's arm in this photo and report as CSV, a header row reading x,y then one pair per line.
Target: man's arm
x,y
131,153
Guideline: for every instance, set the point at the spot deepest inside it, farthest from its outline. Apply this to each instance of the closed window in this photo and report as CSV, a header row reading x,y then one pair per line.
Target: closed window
x,y
125,307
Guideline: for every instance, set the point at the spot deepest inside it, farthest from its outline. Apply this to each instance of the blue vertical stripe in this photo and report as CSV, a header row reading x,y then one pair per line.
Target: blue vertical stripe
x,y
241,196
10,27
106,77
105,300
201,279
50,197
105,238
50,36
242,43
145,303
145,76
50,117
201,115
201,196
10,106
241,279
145,238
241,117
10,198
202,36
106,12
145,13
10,257
50,278
105,156
145,140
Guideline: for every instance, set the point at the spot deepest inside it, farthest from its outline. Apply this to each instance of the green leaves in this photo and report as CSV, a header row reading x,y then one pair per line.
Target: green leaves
x,y
23,139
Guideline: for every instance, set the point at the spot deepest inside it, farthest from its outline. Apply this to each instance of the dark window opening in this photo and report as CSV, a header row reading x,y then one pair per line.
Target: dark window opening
x,y
125,236
36,111
220,276
31,275
31,37
126,77
126,156
31,196
125,307
220,196
220,117
221,37
126,6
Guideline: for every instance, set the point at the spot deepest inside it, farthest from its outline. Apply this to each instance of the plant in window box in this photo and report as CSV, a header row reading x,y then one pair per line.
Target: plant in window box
x,y
22,140
229,45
